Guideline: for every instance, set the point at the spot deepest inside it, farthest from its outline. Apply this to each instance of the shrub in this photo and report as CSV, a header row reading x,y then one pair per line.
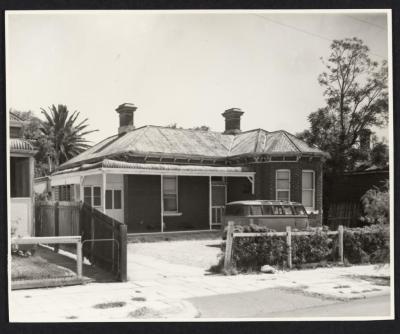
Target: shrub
x,y
361,245
369,244
312,248
375,204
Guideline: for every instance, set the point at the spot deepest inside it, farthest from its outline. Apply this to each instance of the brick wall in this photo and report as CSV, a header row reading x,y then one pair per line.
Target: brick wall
x,y
238,188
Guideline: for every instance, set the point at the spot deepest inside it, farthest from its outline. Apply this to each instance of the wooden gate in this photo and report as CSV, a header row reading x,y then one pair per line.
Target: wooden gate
x,y
104,240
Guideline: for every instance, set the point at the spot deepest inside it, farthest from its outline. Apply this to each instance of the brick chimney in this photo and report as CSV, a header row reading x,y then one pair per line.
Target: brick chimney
x,y
232,120
125,112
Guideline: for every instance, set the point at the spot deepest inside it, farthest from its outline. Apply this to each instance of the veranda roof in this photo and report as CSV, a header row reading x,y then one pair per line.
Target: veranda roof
x,y
21,146
120,167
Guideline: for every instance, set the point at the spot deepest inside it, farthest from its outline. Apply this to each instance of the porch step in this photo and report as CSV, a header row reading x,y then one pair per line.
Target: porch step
x,y
172,236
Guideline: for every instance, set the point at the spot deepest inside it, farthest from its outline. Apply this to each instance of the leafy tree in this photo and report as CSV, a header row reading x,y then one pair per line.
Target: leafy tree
x,y
355,88
65,135
31,131
200,128
380,155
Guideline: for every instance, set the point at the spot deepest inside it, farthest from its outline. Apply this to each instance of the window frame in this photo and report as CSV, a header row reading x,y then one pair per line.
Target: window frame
x,y
313,189
113,190
276,183
91,195
167,212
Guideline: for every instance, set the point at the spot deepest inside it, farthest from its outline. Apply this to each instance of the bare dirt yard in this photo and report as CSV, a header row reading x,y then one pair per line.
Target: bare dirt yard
x,y
196,253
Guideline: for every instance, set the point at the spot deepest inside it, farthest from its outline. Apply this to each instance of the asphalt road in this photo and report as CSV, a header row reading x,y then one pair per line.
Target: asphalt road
x,y
272,303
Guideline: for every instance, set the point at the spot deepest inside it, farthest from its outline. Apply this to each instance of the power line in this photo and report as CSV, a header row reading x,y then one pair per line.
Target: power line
x,y
366,22
306,32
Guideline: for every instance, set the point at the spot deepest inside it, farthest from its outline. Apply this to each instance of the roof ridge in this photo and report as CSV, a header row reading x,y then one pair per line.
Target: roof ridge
x,y
183,129
258,139
290,139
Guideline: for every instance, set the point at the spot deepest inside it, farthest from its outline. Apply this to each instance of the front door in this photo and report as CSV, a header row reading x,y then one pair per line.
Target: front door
x,y
218,196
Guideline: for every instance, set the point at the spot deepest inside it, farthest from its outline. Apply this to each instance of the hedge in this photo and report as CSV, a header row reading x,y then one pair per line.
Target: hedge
x,y
361,245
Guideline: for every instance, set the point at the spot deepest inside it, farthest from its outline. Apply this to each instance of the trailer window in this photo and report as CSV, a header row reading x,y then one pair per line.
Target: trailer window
x,y
256,210
267,210
287,210
300,210
277,210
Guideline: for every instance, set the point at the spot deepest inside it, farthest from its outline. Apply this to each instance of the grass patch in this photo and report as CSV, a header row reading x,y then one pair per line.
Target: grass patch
x,y
138,299
36,268
109,305
144,312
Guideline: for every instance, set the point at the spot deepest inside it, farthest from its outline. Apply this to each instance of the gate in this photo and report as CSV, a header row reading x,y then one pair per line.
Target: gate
x,y
104,239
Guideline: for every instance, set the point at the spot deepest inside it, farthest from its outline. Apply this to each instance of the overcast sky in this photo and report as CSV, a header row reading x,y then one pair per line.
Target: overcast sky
x,y
179,68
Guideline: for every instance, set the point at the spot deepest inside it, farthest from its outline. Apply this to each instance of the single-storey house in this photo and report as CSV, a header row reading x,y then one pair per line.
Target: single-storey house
x,y
22,165
156,178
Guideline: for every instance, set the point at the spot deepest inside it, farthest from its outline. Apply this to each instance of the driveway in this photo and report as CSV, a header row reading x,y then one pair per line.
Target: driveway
x,y
179,269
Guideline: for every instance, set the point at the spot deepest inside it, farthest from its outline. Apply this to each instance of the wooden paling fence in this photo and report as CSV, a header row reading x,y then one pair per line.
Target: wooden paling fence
x,y
344,213
231,235
104,240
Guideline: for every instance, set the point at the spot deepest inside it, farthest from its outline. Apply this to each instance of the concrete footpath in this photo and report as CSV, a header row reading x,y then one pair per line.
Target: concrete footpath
x,y
163,286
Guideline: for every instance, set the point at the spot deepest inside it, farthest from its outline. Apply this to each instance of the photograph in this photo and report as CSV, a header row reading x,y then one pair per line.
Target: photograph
x,y
199,165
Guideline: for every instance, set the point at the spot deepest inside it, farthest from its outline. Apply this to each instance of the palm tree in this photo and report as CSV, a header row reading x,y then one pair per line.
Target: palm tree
x,y
66,137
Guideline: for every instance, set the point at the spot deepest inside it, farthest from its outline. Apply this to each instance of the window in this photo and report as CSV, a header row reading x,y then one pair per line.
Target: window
x,y
287,210
277,210
87,195
283,185
109,199
299,210
92,195
117,199
267,210
256,210
308,189
170,193
113,199
64,193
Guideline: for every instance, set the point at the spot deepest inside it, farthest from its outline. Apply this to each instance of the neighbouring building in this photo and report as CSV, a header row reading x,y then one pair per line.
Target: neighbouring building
x,y
22,164
157,178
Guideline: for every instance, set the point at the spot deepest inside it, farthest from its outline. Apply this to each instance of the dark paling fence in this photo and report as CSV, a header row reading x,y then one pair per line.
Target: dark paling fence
x,y
344,213
104,240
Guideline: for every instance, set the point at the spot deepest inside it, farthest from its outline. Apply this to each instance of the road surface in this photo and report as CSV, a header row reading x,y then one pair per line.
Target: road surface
x,y
273,303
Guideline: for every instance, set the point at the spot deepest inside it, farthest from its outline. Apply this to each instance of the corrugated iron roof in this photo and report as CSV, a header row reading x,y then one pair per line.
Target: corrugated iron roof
x,y
108,163
164,141
18,145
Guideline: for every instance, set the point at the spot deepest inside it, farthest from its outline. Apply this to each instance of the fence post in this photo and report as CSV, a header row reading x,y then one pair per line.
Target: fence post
x,y
56,224
289,246
123,240
228,247
340,237
92,235
79,258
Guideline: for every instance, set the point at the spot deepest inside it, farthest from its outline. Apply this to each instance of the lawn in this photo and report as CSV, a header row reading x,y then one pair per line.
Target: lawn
x,y
36,267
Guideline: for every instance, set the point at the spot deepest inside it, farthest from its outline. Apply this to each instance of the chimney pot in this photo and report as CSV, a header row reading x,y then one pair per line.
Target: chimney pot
x,y
125,112
232,120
